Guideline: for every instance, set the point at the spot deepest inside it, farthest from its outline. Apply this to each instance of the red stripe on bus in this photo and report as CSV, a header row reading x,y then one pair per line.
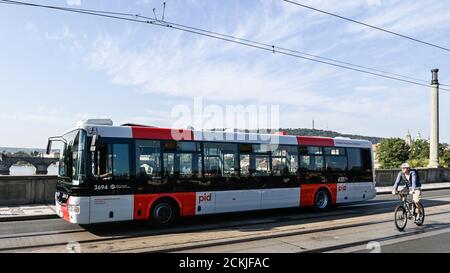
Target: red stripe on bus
x,y
308,192
141,210
143,204
315,141
333,190
65,211
162,133
189,203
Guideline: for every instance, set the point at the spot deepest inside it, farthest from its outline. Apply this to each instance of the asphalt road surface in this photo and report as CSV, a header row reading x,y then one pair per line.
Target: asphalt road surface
x,y
363,227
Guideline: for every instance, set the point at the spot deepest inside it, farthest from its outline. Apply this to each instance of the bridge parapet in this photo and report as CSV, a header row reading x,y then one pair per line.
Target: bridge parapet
x,y
22,190
40,163
427,175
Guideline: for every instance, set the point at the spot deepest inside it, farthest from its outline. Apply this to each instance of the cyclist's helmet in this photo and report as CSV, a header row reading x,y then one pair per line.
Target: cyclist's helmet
x,y
405,166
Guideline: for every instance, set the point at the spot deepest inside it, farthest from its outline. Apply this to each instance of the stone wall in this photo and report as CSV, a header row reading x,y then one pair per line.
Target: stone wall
x,y
387,177
22,190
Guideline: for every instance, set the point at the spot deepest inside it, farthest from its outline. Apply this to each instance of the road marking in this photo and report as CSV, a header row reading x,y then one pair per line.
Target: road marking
x,y
43,233
434,198
426,232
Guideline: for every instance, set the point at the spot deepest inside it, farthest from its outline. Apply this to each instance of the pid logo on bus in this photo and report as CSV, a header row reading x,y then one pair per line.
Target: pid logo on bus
x,y
342,187
204,197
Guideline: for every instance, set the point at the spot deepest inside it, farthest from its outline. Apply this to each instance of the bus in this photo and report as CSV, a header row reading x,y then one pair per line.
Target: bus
x,y
132,172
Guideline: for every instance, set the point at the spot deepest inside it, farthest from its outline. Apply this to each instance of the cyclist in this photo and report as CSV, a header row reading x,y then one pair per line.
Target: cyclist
x,y
409,178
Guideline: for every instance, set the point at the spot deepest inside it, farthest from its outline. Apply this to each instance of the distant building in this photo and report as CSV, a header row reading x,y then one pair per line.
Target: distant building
x,y
53,154
419,136
408,139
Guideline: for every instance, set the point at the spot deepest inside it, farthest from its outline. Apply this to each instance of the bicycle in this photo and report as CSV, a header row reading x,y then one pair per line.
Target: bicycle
x,y
407,211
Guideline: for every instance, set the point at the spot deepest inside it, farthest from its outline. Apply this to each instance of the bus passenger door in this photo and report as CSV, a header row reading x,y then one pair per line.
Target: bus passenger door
x,y
112,187
244,198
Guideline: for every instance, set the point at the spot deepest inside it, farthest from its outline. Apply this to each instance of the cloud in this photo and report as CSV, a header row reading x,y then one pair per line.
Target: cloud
x,y
41,114
174,65
67,39
73,2
405,17
194,70
374,2
197,69
370,88
140,72
30,26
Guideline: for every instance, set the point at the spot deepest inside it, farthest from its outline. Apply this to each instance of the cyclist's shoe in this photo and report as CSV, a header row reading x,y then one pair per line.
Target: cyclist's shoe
x,y
418,218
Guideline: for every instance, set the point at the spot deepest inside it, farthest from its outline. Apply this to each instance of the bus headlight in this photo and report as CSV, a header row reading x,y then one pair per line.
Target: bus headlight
x,y
75,209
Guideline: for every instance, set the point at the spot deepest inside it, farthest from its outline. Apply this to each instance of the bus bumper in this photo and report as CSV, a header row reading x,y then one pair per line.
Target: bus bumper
x,y
75,211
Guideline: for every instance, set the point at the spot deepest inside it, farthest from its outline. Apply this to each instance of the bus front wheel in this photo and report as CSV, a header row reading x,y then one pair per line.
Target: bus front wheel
x,y
164,213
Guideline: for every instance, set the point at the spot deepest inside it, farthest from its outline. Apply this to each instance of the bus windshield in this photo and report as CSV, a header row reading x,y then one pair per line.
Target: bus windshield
x,y
73,157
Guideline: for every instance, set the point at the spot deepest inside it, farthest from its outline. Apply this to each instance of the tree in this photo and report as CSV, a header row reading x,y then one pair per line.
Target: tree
x,y
419,149
419,153
21,154
445,159
392,152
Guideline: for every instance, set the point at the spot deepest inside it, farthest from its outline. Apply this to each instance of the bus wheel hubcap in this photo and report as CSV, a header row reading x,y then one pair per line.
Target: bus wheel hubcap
x,y
321,200
163,213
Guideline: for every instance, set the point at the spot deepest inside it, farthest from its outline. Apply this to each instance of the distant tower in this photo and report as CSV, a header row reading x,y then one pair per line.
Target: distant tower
x,y
419,135
313,125
408,139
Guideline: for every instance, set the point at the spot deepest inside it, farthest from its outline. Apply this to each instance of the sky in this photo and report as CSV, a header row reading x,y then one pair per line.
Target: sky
x,y
57,68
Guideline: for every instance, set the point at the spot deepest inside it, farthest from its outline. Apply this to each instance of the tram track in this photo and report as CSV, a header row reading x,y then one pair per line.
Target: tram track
x,y
147,233
214,243
429,228
36,234
284,219
304,232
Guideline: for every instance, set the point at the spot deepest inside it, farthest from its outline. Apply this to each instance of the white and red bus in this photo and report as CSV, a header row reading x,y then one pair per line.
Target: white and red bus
x,y
120,173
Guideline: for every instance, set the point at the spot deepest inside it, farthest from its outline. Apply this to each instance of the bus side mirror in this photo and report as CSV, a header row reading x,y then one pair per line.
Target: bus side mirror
x,y
49,147
94,141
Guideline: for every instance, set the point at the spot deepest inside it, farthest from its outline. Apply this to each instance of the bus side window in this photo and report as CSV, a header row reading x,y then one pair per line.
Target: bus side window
x,y
189,158
121,161
311,165
221,160
246,166
111,161
262,165
148,159
367,165
169,164
285,161
102,163
354,164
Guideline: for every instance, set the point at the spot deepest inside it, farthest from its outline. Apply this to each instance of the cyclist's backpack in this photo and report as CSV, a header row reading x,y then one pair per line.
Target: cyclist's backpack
x,y
417,176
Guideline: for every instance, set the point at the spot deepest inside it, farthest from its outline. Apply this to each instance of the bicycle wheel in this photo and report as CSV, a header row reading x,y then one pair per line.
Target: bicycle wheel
x,y
419,221
400,218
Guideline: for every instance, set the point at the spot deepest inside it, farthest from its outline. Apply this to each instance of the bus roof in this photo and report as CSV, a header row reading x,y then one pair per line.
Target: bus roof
x,y
104,128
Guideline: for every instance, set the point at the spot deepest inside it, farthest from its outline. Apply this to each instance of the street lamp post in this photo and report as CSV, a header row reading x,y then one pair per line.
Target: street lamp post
x,y
434,134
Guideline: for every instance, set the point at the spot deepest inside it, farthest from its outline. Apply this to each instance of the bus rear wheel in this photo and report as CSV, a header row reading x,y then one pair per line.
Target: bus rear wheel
x,y
322,200
164,213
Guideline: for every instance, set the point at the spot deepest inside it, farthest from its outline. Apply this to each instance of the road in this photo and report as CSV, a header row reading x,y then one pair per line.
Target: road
x,y
366,227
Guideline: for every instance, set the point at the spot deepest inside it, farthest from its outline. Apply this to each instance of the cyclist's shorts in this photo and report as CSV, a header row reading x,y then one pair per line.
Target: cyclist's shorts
x,y
417,195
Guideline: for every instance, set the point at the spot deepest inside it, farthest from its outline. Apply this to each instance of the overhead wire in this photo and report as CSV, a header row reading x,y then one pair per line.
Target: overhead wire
x,y
232,39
